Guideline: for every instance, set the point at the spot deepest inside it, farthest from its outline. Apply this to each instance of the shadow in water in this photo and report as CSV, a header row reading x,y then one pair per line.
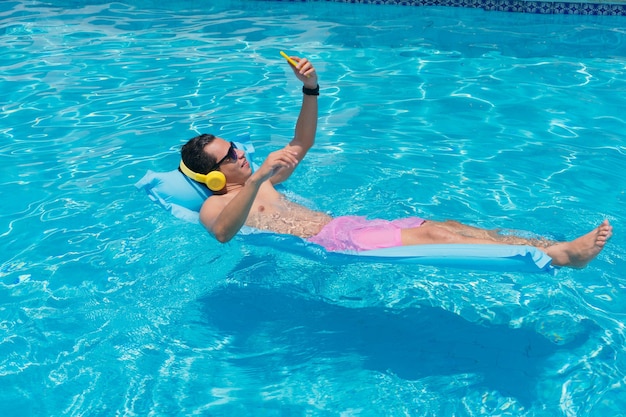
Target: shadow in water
x,y
413,343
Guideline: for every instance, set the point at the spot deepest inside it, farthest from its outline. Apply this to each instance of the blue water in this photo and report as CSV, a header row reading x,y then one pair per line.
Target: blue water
x,y
111,306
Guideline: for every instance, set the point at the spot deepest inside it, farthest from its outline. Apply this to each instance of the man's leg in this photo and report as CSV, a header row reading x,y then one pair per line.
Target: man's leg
x,y
471,231
446,233
576,253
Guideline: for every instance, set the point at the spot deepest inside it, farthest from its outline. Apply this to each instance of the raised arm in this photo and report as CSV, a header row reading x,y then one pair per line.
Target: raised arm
x,y
306,126
224,216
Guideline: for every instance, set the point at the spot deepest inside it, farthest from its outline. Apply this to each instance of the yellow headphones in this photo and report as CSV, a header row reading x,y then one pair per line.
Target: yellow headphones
x,y
215,180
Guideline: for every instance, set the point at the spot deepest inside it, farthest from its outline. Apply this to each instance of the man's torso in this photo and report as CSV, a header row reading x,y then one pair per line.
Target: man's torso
x,y
272,211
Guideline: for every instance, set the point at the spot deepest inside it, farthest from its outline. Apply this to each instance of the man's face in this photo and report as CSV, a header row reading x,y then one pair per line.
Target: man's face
x,y
231,161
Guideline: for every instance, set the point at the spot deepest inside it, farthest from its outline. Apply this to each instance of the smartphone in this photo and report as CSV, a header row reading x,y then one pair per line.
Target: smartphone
x,y
291,61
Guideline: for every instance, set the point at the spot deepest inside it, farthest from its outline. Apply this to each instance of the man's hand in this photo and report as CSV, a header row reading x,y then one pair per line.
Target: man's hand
x,y
276,161
305,72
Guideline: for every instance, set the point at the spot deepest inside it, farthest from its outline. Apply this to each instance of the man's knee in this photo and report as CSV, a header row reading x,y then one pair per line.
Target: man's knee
x,y
451,223
437,234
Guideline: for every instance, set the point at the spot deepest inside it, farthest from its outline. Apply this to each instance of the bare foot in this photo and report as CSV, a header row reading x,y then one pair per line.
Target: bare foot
x,y
579,252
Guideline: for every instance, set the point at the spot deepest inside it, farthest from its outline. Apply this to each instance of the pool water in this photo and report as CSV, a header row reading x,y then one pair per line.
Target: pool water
x,y
111,306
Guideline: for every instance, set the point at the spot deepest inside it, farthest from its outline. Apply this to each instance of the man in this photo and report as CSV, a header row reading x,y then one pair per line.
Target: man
x,y
250,199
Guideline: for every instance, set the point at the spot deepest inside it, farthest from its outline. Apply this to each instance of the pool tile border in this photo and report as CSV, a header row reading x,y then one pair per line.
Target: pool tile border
x,y
519,6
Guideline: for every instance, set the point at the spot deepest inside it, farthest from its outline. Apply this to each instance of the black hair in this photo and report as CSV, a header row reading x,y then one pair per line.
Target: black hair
x,y
195,157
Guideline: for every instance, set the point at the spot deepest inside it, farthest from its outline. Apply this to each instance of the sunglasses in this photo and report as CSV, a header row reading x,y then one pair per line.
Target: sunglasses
x,y
231,156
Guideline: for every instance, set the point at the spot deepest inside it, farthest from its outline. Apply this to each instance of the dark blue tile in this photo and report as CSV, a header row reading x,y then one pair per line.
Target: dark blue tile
x,y
523,6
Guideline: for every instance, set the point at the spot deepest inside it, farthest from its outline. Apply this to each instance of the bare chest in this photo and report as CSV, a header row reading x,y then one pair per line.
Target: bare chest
x,y
272,211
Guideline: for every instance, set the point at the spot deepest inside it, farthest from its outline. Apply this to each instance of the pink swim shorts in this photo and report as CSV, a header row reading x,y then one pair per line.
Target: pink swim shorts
x,y
358,234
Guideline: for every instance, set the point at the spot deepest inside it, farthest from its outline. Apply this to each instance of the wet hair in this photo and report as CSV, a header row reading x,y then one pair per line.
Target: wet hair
x,y
195,157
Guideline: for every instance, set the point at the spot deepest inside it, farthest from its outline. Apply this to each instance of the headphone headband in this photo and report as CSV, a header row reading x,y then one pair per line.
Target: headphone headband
x,y
214,180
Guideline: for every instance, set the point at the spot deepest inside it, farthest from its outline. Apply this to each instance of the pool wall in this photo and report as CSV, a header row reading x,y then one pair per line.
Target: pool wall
x,y
600,8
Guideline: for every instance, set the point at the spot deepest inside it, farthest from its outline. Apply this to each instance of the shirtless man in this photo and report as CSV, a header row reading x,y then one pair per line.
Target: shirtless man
x,y
251,199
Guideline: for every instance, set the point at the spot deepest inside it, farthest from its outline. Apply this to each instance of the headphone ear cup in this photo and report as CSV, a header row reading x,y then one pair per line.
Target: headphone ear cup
x,y
215,180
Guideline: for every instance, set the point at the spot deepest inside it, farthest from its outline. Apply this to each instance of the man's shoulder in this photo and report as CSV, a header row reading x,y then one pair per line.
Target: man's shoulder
x,y
211,208
217,200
